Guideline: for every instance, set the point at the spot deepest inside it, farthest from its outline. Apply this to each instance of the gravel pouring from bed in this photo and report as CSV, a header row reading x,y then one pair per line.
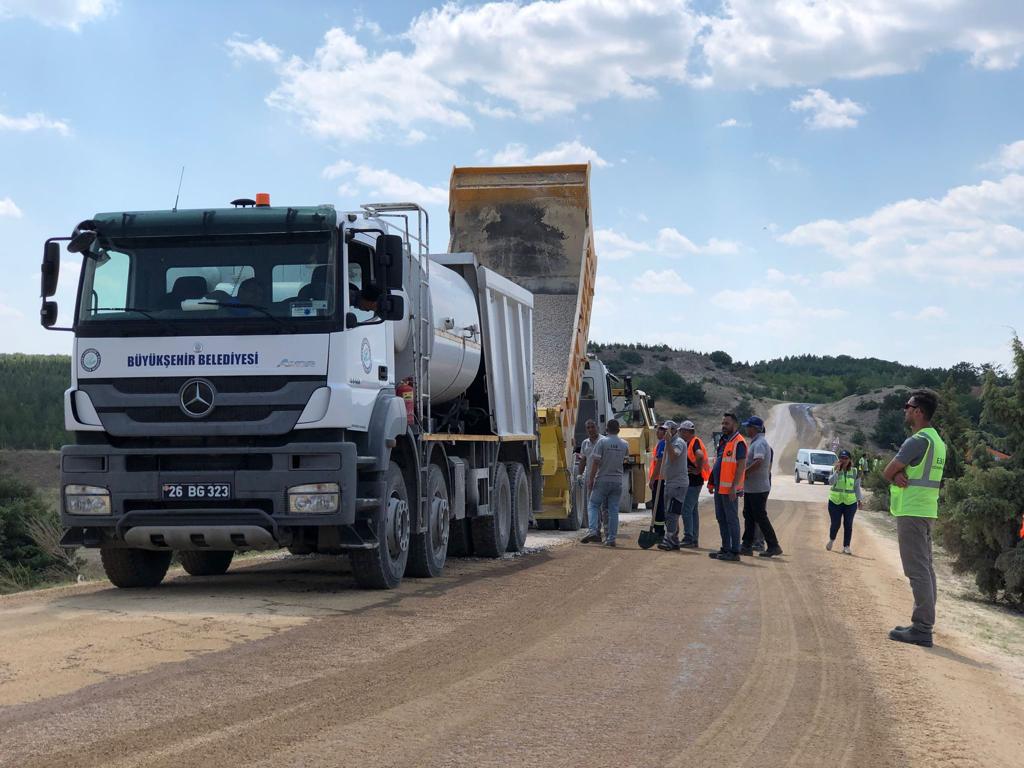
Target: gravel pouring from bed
x,y
554,319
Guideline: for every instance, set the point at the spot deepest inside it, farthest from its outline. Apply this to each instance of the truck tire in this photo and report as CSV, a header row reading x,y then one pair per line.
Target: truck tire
x,y
576,514
520,487
798,476
547,525
129,568
460,538
490,533
206,563
428,550
383,566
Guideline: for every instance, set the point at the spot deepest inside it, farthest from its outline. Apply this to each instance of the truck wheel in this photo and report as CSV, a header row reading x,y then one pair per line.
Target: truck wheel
x,y
547,525
383,566
127,568
206,563
520,506
810,479
427,550
490,533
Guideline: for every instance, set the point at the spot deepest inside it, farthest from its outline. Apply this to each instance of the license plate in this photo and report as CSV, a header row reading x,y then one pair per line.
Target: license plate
x,y
193,491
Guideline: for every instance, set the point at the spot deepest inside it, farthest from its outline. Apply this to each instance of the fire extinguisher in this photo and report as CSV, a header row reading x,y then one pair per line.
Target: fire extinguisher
x,y
406,391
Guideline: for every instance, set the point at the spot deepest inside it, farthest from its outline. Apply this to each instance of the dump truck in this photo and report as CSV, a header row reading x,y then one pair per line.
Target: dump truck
x,y
260,376
533,225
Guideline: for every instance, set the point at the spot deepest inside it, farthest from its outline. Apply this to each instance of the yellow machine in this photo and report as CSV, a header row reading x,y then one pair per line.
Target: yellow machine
x,y
533,224
638,424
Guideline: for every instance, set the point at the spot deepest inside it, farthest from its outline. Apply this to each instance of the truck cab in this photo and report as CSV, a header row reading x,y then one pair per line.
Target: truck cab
x,y
233,387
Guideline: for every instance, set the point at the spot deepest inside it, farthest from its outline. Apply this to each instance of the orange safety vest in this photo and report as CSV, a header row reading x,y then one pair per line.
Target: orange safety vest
x,y
727,475
655,460
691,456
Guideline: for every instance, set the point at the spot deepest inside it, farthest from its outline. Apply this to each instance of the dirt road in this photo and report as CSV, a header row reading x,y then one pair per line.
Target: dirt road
x,y
575,655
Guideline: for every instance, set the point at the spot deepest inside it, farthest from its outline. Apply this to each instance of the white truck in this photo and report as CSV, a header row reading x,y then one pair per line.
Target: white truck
x,y
263,376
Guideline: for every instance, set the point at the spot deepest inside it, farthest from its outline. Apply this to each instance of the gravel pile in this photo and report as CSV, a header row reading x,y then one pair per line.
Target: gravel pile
x,y
554,319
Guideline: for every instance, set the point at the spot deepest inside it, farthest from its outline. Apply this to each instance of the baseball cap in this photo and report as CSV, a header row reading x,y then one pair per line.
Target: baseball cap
x,y
754,421
845,455
669,424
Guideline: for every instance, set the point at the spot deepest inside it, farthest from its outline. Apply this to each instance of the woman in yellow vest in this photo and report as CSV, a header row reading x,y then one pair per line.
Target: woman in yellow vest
x,y
915,475
843,500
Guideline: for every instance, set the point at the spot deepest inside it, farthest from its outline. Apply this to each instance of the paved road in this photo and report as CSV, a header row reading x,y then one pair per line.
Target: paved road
x,y
575,655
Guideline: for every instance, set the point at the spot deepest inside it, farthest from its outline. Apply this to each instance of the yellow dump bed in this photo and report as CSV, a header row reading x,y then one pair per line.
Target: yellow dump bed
x,y
532,224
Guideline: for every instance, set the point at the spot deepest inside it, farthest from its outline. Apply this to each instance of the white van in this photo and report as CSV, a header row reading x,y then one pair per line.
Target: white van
x,y
814,464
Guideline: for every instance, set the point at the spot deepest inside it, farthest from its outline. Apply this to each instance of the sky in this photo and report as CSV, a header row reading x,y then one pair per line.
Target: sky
x,y
770,177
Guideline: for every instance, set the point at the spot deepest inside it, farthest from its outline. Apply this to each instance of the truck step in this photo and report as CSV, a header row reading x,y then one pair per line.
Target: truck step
x,y
363,504
366,461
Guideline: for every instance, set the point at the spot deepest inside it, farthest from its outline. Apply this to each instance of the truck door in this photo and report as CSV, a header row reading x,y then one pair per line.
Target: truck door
x,y
368,353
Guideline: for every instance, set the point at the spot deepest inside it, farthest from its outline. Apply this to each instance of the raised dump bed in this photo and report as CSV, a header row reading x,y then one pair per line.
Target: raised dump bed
x,y
533,225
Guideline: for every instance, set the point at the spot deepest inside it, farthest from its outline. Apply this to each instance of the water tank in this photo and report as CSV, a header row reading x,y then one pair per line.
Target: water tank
x,y
455,357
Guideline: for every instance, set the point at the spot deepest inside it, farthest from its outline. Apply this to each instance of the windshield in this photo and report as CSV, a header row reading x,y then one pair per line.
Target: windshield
x,y
234,283
823,459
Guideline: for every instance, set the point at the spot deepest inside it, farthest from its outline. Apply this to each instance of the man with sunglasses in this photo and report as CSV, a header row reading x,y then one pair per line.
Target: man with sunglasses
x,y
915,475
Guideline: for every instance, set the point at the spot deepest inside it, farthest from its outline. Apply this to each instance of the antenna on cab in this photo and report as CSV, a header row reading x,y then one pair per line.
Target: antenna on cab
x,y
177,196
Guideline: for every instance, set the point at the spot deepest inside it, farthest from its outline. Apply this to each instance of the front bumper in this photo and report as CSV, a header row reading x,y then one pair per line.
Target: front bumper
x,y
259,478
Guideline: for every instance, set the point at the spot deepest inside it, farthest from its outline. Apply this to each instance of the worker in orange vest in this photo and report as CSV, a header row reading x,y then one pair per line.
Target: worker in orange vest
x,y
726,484
699,470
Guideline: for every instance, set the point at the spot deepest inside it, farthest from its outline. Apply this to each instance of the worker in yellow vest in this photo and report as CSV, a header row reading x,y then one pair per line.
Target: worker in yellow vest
x,y
915,475
843,500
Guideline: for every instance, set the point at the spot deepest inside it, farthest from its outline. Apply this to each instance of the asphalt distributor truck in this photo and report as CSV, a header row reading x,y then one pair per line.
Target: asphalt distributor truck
x,y
258,376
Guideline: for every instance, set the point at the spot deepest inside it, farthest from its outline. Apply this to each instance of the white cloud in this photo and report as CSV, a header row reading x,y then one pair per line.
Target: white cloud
x,y
973,236
1011,157
667,281
70,14
614,246
777,276
241,50
826,112
566,152
931,313
8,208
672,242
779,304
382,184
732,122
534,60
780,43
34,121
781,164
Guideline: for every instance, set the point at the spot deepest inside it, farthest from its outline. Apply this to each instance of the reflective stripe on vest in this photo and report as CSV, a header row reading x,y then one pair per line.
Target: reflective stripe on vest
x,y
727,473
691,457
843,489
921,496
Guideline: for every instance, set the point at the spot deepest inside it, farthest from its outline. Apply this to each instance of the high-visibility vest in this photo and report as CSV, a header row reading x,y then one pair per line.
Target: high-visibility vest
x,y
843,488
691,457
921,496
727,474
655,461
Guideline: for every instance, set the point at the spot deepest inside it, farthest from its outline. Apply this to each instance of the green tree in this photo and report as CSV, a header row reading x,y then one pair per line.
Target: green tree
x,y
980,517
719,357
631,357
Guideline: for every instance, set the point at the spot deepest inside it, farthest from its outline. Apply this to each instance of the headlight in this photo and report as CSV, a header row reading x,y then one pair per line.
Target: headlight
x,y
86,500
314,499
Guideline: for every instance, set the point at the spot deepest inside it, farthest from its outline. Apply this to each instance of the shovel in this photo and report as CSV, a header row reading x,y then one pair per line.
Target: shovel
x,y
649,538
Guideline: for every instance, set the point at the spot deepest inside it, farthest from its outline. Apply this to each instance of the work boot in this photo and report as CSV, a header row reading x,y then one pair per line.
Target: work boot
x,y
829,545
611,543
747,551
689,545
716,555
772,552
591,538
729,557
912,636
758,546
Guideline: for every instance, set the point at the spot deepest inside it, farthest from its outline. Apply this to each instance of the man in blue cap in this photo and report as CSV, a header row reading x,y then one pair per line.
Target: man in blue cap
x,y
756,489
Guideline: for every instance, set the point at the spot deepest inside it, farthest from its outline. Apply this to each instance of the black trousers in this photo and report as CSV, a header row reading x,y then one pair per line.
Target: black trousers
x,y
841,513
755,514
659,510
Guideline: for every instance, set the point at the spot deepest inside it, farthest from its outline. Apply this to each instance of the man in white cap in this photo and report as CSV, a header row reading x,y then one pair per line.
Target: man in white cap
x,y
698,469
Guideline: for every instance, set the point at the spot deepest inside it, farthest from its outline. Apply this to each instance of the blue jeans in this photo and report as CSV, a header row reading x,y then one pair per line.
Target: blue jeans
x,y
606,492
728,516
691,518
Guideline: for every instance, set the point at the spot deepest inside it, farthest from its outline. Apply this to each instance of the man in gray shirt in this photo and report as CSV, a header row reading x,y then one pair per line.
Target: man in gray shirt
x,y
583,465
756,487
605,482
676,482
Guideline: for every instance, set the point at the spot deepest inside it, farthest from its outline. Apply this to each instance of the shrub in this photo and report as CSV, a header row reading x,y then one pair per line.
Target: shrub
x,y
630,357
867,405
30,551
720,358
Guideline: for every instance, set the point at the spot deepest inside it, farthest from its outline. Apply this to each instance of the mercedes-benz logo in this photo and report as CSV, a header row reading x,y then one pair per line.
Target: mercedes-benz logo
x,y
196,397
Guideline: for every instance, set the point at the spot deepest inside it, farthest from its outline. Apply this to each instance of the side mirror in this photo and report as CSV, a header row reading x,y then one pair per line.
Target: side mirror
x,y
50,270
81,241
392,307
48,314
390,252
